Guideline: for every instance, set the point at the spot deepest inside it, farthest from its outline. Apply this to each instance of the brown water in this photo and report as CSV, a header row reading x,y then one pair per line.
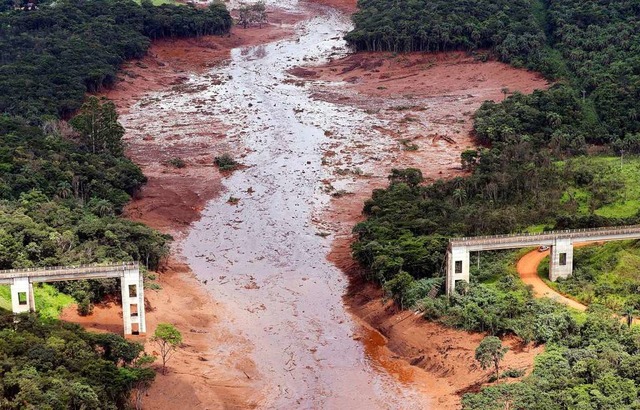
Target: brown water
x,y
263,257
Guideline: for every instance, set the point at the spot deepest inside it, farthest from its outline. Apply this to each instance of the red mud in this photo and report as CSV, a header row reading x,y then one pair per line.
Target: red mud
x,y
347,6
453,87
199,375
427,100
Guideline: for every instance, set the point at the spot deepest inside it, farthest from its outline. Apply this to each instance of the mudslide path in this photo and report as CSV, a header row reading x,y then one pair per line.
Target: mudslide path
x,y
274,331
527,268
257,248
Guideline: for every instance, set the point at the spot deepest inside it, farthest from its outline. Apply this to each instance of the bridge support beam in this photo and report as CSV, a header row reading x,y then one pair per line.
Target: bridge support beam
x,y
133,314
22,299
457,267
561,259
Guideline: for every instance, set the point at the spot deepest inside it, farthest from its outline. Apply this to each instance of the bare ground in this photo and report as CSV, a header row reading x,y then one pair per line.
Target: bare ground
x,y
426,101
200,375
398,90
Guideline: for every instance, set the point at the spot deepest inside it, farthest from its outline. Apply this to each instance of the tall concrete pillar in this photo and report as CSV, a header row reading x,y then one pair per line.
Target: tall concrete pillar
x,y
457,267
22,296
561,263
133,314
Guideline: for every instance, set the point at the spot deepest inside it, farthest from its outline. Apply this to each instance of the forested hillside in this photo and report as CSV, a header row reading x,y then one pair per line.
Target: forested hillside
x,y
591,47
63,185
52,56
55,365
532,173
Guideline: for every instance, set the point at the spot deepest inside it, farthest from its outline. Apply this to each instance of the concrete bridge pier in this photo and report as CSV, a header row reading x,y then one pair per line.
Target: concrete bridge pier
x,y
22,299
133,314
561,264
458,260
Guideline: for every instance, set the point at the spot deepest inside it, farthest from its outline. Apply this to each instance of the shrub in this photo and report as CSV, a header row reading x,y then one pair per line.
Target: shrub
x,y
226,162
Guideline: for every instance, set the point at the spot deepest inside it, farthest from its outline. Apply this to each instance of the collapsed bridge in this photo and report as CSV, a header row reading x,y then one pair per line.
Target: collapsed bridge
x,y
131,281
560,242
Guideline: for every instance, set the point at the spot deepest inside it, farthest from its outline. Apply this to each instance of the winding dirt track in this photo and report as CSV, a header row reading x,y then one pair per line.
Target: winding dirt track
x,y
527,268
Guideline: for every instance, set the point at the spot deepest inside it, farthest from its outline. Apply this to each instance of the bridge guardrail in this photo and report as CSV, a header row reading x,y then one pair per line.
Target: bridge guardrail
x,y
525,237
52,270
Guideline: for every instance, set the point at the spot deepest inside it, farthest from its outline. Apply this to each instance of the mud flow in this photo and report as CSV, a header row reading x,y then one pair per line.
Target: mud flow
x,y
257,247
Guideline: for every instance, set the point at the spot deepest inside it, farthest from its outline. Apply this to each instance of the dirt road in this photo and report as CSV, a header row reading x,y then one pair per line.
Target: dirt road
x,y
527,268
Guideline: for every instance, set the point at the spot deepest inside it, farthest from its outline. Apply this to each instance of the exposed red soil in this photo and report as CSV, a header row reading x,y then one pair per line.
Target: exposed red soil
x,y
200,375
173,198
347,6
527,268
427,100
416,350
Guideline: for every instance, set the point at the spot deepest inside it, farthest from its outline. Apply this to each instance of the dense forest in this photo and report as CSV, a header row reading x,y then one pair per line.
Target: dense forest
x,y
533,172
52,56
48,364
592,47
64,183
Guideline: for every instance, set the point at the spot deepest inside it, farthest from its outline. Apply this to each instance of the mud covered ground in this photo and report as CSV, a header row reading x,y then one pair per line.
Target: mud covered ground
x,y
424,104
200,376
328,137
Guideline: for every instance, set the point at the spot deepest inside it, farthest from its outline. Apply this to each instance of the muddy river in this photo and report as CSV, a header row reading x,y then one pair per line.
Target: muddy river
x,y
259,249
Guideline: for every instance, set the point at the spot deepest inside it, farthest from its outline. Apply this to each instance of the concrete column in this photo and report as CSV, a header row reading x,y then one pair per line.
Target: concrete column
x,y
561,263
22,295
132,288
457,267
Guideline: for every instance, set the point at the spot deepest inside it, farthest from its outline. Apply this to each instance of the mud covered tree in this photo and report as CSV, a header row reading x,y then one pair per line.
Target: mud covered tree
x,y
249,14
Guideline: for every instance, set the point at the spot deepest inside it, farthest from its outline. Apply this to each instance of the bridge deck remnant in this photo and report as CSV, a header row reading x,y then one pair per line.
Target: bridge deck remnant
x,y
131,281
560,243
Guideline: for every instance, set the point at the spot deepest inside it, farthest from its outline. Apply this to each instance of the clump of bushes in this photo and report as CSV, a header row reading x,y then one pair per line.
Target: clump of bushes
x,y
177,162
225,162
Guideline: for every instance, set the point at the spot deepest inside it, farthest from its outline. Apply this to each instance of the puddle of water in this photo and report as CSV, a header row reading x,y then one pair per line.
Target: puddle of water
x,y
262,257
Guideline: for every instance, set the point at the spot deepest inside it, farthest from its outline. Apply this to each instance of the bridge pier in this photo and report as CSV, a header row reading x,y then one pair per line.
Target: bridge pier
x,y
561,259
131,281
133,314
22,299
458,261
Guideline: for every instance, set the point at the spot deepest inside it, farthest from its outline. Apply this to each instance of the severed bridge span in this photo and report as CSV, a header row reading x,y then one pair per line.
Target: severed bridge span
x,y
560,243
131,281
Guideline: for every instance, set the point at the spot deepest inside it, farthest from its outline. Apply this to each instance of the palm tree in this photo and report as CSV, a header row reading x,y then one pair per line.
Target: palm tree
x,y
103,208
459,195
64,190
629,312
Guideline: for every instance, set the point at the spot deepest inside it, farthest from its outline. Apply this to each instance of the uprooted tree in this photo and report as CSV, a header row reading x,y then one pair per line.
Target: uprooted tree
x,y
255,13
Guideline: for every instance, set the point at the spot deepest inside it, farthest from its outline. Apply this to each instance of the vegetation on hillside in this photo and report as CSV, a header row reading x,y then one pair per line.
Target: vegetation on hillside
x,y
63,185
52,56
591,46
55,365
533,172
607,274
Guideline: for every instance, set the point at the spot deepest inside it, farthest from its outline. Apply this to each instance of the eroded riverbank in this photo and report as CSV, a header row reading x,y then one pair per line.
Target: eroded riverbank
x,y
276,334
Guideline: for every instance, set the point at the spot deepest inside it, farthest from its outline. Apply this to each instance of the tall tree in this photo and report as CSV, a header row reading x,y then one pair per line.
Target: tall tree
x,y
491,352
98,126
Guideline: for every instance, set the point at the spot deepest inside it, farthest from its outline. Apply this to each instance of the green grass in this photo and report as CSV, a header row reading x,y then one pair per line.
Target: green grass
x,y
5,298
607,274
535,228
580,196
629,202
49,302
612,192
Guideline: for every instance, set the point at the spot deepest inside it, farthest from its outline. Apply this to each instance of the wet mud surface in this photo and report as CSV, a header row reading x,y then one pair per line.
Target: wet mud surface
x,y
257,246
316,130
